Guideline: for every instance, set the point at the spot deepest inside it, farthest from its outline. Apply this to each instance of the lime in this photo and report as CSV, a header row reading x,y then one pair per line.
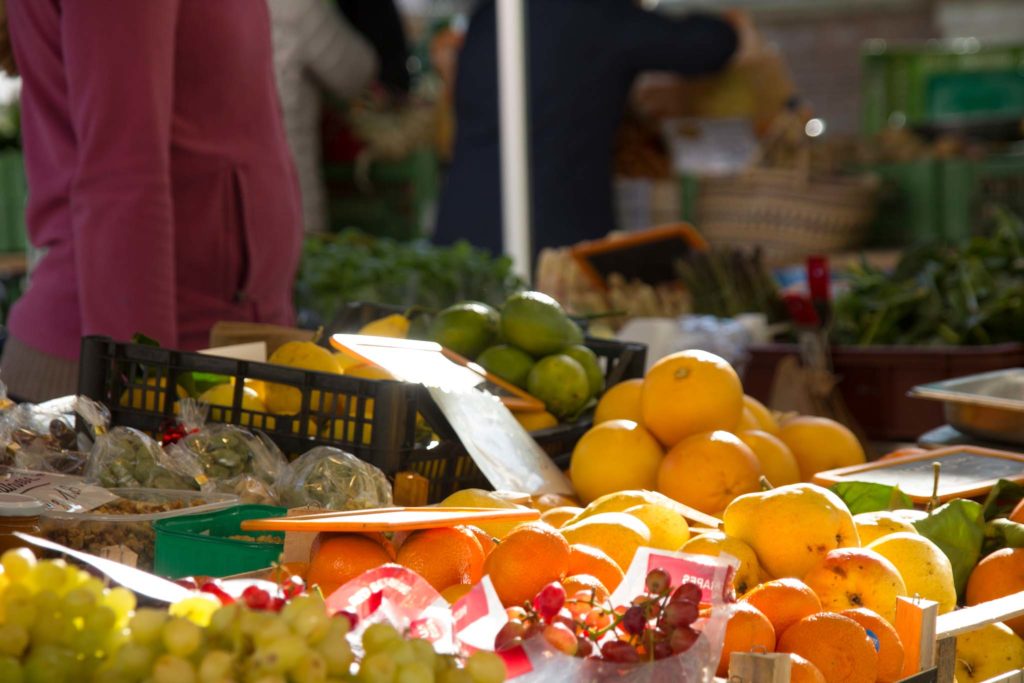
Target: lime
x,y
588,359
466,328
507,362
561,383
536,323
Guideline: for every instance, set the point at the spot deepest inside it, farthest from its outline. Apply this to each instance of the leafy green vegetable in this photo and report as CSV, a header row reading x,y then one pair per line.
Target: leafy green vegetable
x,y
940,294
1003,497
725,282
1002,533
352,266
864,496
958,528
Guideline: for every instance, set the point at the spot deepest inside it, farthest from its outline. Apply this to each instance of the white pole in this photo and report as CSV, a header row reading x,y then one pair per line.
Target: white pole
x,y
512,119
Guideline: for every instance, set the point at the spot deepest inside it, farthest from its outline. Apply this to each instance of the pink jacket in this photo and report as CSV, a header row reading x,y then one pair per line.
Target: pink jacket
x,y
160,182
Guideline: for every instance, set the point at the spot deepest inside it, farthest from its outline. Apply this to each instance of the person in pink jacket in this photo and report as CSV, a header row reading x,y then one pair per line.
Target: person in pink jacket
x,y
161,188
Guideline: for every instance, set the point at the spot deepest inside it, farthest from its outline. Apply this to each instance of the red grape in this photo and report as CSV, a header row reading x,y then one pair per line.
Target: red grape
x,y
256,598
619,651
682,639
549,600
633,621
658,581
662,649
515,642
516,612
353,619
561,637
187,582
678,614
511,630
688,592
584,647
215,589
597,619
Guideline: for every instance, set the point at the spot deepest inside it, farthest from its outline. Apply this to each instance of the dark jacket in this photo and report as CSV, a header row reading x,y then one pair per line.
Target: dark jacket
x,y
583,56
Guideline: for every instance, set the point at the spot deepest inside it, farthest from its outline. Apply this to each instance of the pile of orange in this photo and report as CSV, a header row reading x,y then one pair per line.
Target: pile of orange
x,y
785,615
699,439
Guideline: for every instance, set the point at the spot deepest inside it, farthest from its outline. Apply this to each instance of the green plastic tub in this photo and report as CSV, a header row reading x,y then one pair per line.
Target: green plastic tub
x,y
199,545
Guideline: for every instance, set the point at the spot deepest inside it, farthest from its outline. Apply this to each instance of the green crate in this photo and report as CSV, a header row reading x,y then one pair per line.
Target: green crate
x,y
908,204
969,187
940,82
398,200
198,545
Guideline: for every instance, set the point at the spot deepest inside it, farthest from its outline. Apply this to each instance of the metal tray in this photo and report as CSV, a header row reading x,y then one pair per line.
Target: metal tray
x,y
989,405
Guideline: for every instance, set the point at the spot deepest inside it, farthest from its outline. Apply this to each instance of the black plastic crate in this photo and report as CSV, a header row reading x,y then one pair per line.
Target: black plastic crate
x,y
138,384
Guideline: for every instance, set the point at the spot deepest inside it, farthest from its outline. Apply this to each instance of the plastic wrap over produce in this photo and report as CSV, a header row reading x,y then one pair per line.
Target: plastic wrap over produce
x,y
126,458
42,437
729,338
232,459
332,479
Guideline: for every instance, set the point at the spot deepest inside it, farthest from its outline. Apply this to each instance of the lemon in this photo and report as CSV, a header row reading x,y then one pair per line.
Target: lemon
x,y
395,325
150,399
285,400
478,498
669,529
616,533
222,396
714,543
535,420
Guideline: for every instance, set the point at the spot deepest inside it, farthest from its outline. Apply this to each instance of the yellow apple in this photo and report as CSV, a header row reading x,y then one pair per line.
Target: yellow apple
x,y
988,652
791,528
873,525
749,573
857,577
669,529
924,567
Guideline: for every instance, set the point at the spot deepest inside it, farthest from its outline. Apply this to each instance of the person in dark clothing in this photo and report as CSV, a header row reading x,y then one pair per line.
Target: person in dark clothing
x,y
582,58
379,23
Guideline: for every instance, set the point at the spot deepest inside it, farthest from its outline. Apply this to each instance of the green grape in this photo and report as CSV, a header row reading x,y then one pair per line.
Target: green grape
x,y
424,652
181,637
172,669
337,654
216,666
444,662
133,661
49,664
44,633
88,643
268,678
415,672
312,668
77,602
486,667
198,609
21,611
224,618
311,623
101,618
254,621
147,625
67,630
13,640
122,601
280,655
47,601
18,563
339,627
401,651
92,584
454,675
274,631
50,574
10,670
377,668
379,637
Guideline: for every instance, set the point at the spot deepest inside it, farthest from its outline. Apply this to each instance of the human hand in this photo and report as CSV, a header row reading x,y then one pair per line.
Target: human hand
x,y
748,38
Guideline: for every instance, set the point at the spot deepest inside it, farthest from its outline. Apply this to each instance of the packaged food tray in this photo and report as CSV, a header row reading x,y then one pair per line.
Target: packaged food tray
x,y
132,527
202,545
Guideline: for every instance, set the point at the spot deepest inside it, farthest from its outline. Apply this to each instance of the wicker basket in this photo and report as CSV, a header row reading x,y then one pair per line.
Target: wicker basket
x,y
787,212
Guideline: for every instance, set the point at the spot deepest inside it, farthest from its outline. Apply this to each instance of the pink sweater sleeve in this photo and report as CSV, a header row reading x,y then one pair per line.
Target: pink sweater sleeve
x,y
119,57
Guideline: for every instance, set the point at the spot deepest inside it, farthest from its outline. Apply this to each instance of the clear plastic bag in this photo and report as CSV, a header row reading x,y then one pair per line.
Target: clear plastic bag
x,y
42,437
232,459
332,479
126,458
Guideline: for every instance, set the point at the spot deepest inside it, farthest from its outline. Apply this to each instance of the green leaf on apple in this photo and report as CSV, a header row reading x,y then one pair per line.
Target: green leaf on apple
x,y
865,496
1003,497
958,528
1003,533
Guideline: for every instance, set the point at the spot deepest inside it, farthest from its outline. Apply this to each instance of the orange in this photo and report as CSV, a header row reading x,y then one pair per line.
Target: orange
x,y
336,559
455,592
837,645
708,470
1018,513
890,647
443,556
763,418
784,602
690,392
586,559
598,466
531,556
746,630
620,402
777,462
487,543
820,444
585,582
802,671
997,575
